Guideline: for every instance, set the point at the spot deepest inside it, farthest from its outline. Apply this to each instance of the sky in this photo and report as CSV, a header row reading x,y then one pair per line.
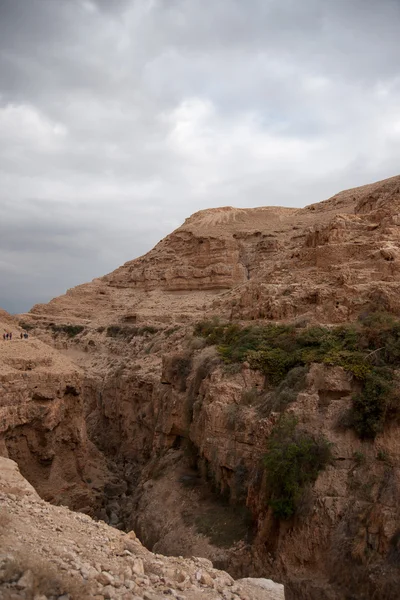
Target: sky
x,y
120,118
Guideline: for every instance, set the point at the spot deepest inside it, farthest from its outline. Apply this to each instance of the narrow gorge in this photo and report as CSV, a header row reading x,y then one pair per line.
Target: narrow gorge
x,y
231,395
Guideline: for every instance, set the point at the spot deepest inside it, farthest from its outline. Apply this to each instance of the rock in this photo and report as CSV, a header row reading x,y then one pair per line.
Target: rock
x,y
109,592
105,578
26,581
275,590
137,566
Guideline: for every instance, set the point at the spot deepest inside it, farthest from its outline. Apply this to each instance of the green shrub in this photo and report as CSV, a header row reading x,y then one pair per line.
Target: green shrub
x,y
293,462
359,457
274,363
286,392
26,326
250,396
370,406
69,330
352,361
369,350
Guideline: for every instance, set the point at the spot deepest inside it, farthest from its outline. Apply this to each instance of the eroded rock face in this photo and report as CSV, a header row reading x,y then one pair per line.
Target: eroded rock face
x,y
177,418
326,262
42,423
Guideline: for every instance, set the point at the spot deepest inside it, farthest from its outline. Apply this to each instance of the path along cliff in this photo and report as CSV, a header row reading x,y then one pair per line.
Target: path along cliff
x,y
185,416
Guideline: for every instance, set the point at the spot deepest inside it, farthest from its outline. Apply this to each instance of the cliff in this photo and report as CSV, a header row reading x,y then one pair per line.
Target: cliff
x,y
325,262
42,424
189,418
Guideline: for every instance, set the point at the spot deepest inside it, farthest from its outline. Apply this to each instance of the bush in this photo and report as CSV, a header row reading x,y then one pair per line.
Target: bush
x,y
249,396
179,368
70,330
293,462
286,392
369,350
26,326
275,363
371,405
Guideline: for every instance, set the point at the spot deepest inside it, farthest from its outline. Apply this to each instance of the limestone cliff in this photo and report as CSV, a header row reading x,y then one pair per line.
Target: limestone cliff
x,y
325,262
42,424
187,430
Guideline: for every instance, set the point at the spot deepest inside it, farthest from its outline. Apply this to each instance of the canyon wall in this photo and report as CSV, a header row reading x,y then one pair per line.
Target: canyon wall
x,y
189,433
42,424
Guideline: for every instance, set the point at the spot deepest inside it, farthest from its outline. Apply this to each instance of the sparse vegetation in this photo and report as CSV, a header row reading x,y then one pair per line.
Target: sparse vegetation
x,y
383,456
69,330
377,403
368,349
26,326
293,462
127,332
179,368
170,331
250,396
202,371
359,458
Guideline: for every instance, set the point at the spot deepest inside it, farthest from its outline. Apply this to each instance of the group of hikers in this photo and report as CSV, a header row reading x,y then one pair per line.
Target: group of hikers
x,y
22,335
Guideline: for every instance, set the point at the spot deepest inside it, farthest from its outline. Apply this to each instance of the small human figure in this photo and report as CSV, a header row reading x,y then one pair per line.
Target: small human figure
x,y
10,336
21,335
26,336
6,336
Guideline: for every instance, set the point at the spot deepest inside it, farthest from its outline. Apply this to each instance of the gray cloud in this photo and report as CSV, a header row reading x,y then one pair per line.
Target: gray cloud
x,y
119,119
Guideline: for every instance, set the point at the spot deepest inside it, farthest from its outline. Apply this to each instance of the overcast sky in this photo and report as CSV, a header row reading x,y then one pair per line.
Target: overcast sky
x,y
119,118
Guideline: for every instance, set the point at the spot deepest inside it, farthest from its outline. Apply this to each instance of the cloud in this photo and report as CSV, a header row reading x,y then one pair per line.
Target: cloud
x,y
119,119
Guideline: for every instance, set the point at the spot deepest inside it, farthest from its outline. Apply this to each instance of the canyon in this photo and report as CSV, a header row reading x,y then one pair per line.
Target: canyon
x,y
125,404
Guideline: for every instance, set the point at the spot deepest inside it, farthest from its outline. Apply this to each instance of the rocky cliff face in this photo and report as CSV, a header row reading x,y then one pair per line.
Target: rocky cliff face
x,y
325,262
42,424
189,432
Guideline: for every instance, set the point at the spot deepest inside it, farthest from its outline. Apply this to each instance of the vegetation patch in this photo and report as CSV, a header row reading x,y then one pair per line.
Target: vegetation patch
x,y
293,462
69,330
26,326
368,349
376,404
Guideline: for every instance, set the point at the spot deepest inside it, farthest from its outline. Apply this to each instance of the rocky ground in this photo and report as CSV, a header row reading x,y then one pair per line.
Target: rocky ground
x,y
50,553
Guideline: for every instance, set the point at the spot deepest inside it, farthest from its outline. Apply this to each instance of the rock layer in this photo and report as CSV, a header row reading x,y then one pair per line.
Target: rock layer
x,y
42,424
325,262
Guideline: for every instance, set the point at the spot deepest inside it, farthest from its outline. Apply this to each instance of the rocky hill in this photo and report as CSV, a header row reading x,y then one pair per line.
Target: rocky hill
x,y
241,382
326,262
